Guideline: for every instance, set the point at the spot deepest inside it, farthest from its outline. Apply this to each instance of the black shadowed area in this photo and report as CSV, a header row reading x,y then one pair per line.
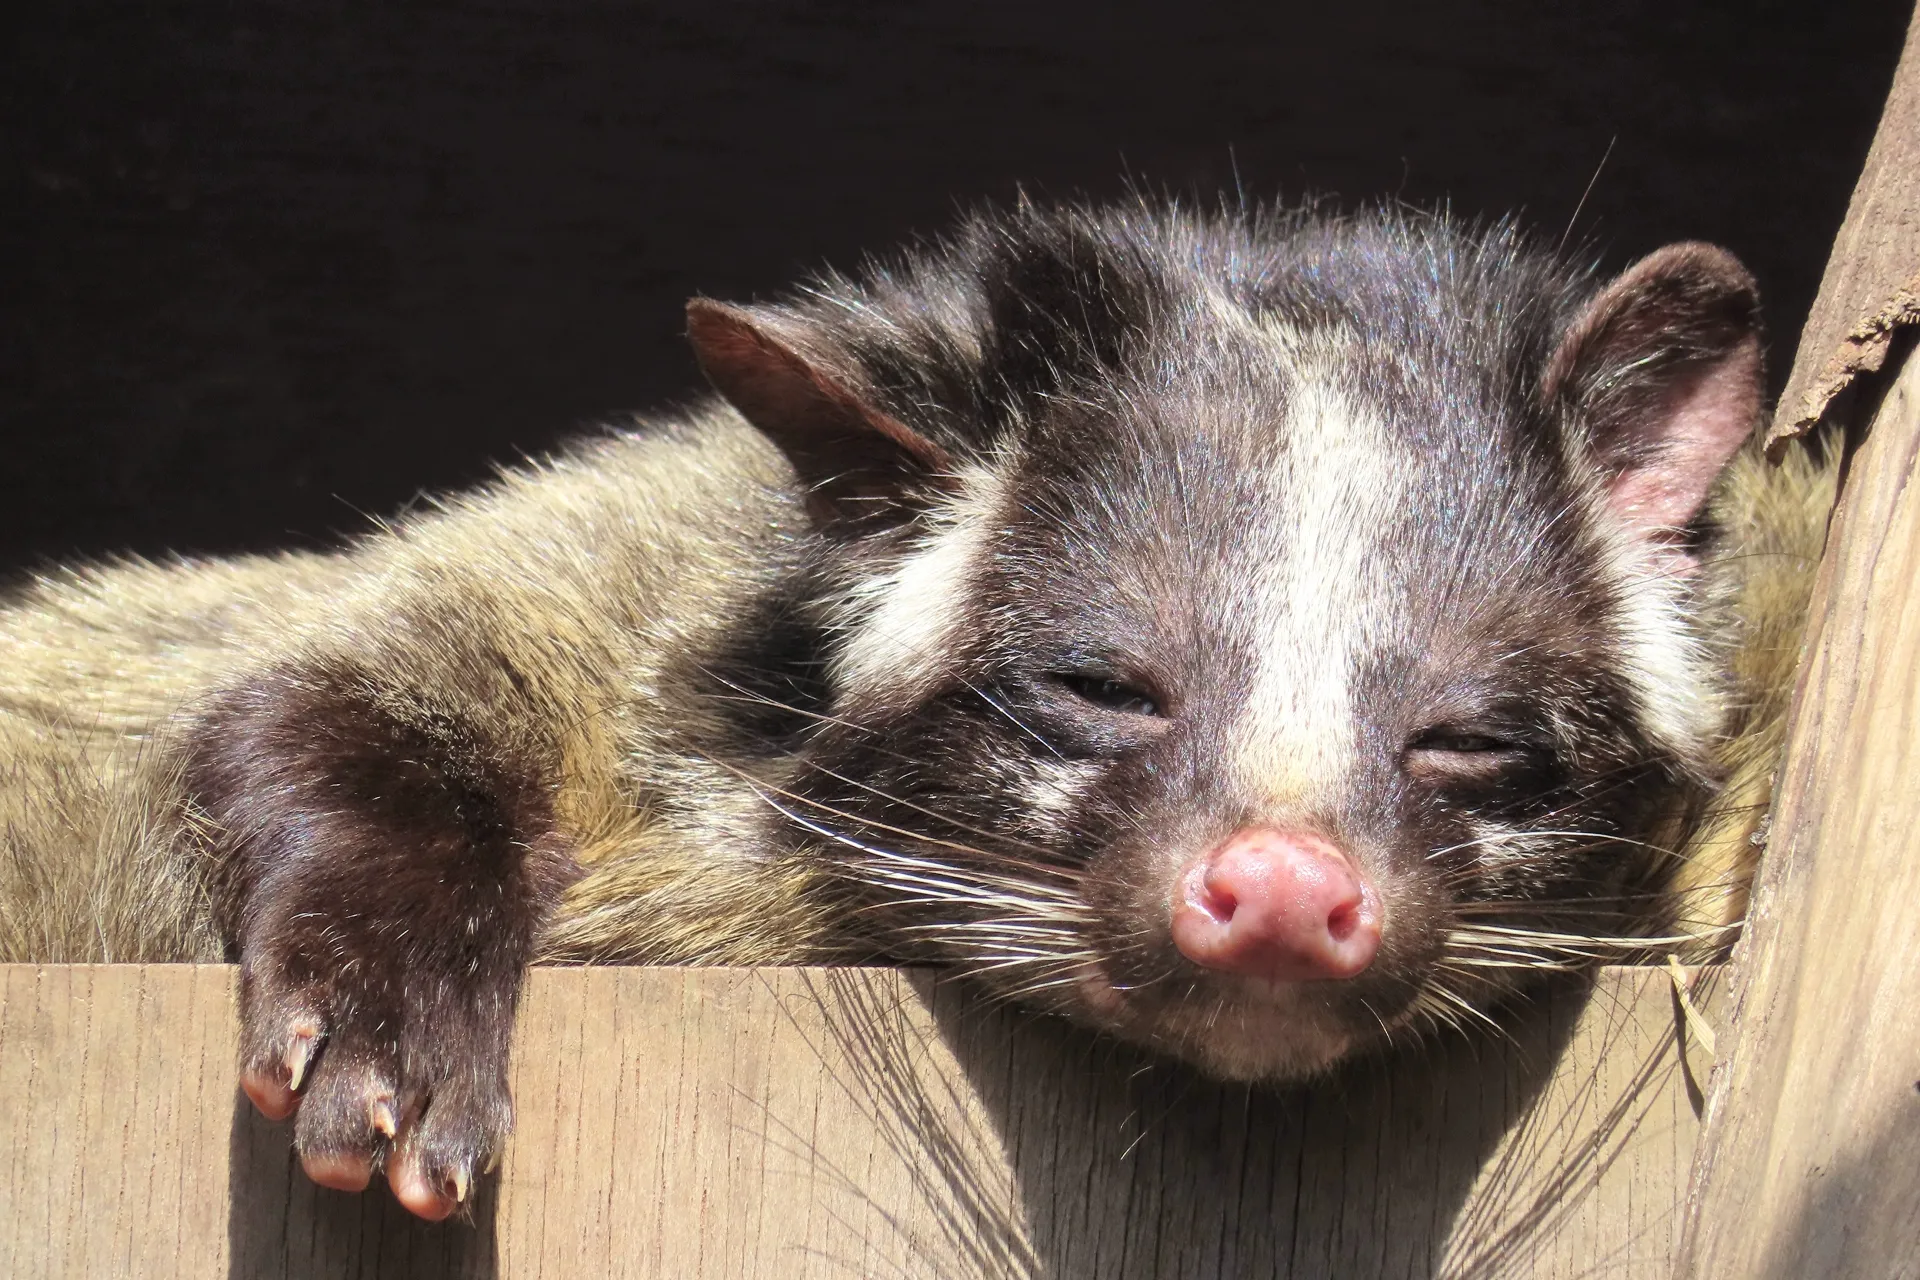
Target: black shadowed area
x,y
270,268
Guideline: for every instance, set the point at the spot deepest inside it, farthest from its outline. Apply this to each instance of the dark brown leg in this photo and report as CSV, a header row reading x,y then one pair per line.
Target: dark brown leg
x,y
384,871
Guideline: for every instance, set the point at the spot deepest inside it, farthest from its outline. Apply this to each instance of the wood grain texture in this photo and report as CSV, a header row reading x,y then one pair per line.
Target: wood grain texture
x,y
862,1123
1809,1166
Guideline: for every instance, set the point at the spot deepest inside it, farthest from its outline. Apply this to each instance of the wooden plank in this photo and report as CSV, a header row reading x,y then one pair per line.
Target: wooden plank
x,y
856,1122
1797,1173
1809,1166
1805,1166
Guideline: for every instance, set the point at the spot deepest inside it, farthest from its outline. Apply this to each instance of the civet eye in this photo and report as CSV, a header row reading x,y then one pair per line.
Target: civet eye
x,y
1469,755
1463,741
1114,695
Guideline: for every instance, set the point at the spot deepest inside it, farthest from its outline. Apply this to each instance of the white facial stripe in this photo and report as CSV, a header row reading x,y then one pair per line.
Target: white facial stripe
x,y
1665,667
1659,657
900,623
1334,495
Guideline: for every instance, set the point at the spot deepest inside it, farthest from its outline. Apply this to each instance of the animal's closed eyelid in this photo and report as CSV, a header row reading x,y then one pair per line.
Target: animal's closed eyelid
x,y
1111,692
1466,741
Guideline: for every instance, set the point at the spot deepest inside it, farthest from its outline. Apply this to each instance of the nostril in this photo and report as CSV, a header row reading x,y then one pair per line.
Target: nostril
x,y
1343,921
1207,892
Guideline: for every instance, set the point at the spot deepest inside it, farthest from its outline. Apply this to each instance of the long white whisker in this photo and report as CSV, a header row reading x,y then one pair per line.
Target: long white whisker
x,y
1030,869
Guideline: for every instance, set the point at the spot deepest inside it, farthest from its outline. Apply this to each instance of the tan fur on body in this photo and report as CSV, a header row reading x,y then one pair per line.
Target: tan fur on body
x,y
587,575
590,575
1775,519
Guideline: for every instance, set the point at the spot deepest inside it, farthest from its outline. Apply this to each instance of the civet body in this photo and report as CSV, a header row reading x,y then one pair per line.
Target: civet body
x,y
1258,636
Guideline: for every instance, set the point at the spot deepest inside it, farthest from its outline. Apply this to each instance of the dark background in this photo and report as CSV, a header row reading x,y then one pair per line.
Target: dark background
x,y
266,266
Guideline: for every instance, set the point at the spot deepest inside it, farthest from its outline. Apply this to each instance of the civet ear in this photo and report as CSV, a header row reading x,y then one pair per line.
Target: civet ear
x,y
1661,375
861,466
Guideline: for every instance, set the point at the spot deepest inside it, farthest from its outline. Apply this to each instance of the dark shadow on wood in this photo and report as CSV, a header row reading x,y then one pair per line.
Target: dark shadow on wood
x,y
1124,1164
280,1225
1860,1218
1359,1174
1561,1147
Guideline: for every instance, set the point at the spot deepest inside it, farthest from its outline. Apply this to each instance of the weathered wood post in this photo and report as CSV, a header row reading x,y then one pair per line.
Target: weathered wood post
x,y
743,1123
1809,1164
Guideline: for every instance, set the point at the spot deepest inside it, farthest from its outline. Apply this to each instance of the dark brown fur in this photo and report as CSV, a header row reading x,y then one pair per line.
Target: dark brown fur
x,y
385,870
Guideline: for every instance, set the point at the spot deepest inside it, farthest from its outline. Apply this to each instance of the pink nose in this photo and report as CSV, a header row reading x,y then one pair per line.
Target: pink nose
x,y
1280,905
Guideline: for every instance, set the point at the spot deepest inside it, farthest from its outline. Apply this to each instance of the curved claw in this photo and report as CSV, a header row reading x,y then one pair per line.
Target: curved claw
x,y
300,1051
